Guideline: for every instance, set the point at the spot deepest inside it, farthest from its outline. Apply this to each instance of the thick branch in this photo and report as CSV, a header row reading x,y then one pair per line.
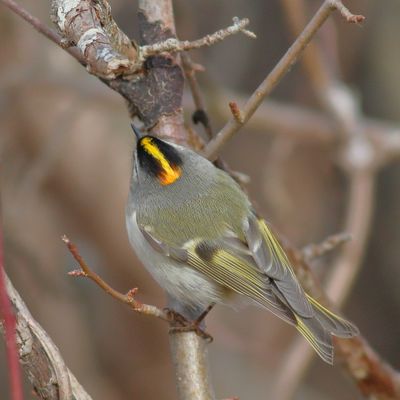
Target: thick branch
x,y
100,45
89,26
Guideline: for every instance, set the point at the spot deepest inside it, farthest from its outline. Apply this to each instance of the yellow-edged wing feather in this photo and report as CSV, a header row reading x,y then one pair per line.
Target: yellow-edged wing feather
x,y
261,271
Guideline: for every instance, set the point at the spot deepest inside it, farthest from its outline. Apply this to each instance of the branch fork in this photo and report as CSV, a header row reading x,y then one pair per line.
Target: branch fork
x,y
108,52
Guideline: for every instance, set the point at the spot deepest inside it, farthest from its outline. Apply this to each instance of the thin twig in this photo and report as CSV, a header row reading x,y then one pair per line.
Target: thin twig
x,y
273,78
235,110
7,315
173,45
313,251
346,14
128,298
43,29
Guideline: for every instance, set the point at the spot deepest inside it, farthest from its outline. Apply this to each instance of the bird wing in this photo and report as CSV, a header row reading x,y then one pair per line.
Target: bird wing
x,y
259,269
272,260
228,262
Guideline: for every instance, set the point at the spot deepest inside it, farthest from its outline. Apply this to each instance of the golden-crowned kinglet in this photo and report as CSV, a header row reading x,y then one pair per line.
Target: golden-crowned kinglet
x,y
196,232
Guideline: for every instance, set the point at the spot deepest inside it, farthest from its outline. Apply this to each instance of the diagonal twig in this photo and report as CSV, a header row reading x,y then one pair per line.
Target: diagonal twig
x,y
128,298
274,77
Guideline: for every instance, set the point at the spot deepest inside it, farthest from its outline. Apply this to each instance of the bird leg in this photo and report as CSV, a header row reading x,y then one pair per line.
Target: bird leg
x,y
181,324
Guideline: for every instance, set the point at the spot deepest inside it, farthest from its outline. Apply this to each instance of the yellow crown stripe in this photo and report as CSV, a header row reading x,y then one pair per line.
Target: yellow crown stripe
x,y
169,173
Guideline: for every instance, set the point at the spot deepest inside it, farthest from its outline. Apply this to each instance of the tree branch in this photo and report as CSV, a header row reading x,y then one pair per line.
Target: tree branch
x,y
100,45
273,78
89,26
174,45
128,298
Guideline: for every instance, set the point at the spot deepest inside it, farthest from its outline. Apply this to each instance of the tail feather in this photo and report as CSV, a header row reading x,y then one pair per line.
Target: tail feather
x,y
318,337
336,325
318,330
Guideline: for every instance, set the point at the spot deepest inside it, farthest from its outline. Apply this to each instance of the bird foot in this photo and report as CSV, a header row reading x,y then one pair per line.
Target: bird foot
x,y
181,324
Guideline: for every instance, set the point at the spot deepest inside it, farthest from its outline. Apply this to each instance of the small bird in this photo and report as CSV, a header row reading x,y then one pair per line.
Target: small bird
x,y
197,233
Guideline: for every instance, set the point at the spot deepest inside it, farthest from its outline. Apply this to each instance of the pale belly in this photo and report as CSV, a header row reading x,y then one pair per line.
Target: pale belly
x,y
183,283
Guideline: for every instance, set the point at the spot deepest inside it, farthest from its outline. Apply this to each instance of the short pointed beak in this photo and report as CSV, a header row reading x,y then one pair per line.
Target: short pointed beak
x,y
137,132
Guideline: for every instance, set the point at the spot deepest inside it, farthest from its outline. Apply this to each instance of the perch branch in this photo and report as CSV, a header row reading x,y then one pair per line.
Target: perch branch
x,y
40,357
7,315
128,298
273,78
189,351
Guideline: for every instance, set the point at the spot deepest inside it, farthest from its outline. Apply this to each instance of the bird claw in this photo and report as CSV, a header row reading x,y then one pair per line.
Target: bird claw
x,y
180,324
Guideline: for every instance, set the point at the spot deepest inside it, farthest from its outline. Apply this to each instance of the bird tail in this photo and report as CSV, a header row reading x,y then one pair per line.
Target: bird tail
x,y
318,330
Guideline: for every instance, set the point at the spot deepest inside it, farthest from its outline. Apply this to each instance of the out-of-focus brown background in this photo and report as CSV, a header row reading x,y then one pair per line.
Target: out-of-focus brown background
x,y
65,163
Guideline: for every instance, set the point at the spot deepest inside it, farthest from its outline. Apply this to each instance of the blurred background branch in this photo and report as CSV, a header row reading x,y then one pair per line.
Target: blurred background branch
x,y
274,77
